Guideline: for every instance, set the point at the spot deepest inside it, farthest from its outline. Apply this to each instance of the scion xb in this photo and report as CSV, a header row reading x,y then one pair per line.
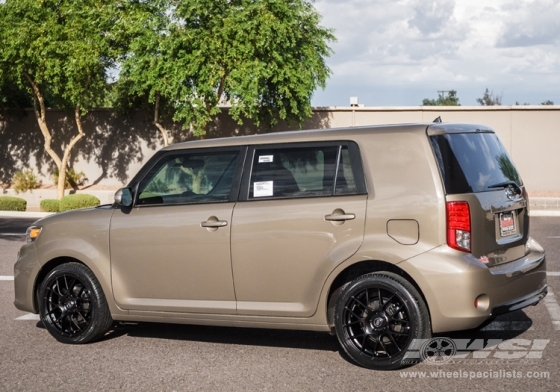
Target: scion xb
x,y
381,235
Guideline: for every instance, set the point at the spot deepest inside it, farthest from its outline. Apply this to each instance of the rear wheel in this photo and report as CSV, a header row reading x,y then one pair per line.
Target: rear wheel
x,y
72,305
379,317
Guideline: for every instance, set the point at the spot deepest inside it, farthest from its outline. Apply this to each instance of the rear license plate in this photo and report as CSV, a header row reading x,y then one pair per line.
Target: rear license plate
x,y
507,223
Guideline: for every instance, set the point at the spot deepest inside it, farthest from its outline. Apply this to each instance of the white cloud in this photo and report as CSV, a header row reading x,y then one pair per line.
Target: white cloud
x,y
398,52
531,24
431,17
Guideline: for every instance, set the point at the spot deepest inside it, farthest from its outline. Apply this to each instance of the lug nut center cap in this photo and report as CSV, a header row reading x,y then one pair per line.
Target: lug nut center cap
x,y
378,322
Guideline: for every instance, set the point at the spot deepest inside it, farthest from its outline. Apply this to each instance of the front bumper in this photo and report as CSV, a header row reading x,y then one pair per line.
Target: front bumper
x,y
26,270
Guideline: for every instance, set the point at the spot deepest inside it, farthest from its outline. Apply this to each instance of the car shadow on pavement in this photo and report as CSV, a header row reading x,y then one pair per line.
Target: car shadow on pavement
x,y
504,327
228,335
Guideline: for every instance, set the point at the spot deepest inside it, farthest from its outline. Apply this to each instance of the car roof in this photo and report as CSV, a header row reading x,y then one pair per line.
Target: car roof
x,y
343,133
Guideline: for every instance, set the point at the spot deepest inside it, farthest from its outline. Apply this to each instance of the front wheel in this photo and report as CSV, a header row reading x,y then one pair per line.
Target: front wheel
x,y
72,305
379,317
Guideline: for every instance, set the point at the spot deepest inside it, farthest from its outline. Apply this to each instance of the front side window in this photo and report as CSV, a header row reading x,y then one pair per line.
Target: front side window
x,y
189,178
301,172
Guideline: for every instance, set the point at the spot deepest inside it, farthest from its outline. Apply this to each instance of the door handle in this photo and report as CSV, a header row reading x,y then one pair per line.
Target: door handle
x,y
213,224
339,217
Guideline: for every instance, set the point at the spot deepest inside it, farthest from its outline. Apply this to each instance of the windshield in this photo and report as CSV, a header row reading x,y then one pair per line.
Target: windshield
x,y
473,162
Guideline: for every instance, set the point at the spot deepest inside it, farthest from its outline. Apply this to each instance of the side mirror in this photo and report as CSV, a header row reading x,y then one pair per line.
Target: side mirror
x,y
123,197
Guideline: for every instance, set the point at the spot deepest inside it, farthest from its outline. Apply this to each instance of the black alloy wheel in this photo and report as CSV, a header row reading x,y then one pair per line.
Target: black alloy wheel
x,y
72,305
378,318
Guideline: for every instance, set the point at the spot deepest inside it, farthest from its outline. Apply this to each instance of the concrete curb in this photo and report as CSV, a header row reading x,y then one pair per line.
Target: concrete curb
x,y
544,213
24,214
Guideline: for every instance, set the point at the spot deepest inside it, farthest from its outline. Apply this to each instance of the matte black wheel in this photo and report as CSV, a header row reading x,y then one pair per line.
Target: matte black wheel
x,y
378,317
72,305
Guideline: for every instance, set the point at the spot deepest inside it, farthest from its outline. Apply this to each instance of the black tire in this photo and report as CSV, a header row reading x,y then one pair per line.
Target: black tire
x,y
72,305
378,318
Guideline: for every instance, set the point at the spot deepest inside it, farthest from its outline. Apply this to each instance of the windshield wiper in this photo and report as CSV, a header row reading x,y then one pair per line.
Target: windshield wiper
x,y
506,184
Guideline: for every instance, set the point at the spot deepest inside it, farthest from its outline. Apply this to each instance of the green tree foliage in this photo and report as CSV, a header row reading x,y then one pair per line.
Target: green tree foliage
x,y
59,49
547,102
490,99
443,99
13,98
507,167
265,58
25,180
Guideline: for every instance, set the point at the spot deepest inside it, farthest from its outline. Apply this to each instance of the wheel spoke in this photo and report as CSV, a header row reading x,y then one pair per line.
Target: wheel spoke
x,y
383,347
58,288
73,285
75,323
82,290
399,333
363,344
389,302
82,316
353,323
392,339
360,303
355,336
353,314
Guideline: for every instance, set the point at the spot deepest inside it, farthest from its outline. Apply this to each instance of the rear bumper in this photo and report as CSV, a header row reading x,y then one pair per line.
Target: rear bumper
x,y
452,281
520,303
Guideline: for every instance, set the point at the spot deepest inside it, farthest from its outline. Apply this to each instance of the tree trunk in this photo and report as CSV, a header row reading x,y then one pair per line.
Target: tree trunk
x,y
158,125
40,114
66,157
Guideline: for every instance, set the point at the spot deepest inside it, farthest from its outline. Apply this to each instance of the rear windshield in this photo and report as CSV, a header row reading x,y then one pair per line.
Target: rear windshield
x,y
473,162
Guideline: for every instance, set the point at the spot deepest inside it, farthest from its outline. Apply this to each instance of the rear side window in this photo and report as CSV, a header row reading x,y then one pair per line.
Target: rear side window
x,y
301,172
473,162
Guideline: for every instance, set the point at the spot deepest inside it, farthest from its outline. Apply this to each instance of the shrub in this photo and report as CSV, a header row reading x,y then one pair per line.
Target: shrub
x,y
50,205
25,180
72,176
73,202
10,203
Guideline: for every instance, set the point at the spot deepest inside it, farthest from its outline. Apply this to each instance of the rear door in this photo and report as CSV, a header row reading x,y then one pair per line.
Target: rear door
x,y
301,212
476,168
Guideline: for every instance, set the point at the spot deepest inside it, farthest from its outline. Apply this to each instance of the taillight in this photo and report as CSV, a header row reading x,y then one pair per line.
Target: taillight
x,y
459,225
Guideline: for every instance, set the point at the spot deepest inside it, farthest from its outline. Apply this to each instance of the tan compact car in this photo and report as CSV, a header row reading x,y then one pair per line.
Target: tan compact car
x,y
382,235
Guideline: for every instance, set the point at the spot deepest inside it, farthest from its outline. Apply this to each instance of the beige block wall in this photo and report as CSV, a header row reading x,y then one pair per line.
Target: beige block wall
x,y
117,146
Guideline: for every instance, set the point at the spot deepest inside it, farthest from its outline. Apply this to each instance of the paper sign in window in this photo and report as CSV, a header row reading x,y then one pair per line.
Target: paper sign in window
x,y
263,188
266,158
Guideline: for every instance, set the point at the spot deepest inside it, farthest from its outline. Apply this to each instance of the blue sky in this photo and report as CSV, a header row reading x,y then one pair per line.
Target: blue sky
x,y
397,52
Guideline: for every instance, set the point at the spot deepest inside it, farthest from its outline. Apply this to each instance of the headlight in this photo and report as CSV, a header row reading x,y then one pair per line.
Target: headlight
x,y
32,233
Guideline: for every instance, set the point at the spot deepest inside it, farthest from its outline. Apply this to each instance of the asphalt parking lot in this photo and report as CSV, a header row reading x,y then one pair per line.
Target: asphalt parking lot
x,y
519,351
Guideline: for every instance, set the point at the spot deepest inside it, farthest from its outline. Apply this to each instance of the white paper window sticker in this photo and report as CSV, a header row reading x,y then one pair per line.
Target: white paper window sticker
x,y
266,158
263,189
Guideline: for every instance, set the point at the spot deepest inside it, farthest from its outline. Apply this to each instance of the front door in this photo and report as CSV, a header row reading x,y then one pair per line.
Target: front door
x,y
171,250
